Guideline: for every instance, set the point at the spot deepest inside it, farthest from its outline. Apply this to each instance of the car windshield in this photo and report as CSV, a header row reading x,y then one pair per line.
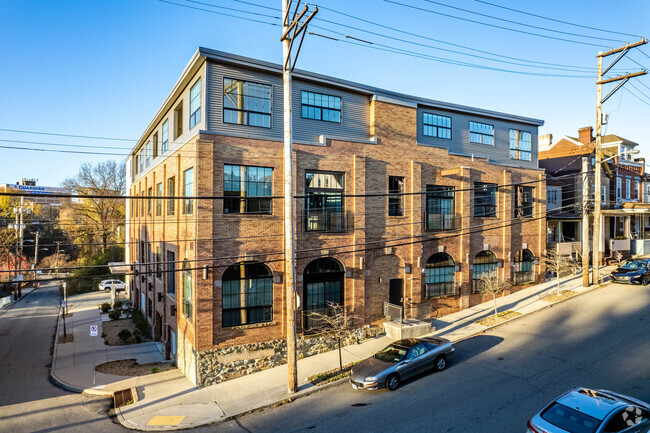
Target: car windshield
x,y
632,265
569,419
392,353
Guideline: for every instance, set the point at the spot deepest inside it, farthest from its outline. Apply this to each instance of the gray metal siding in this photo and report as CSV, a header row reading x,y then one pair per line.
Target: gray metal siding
x,y
355,109
459,143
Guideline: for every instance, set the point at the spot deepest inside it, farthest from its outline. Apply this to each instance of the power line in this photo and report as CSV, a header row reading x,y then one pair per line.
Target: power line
x,y
639,90
492,25
80,152
233,9
66,135
555,20
636,96
59,144
220,13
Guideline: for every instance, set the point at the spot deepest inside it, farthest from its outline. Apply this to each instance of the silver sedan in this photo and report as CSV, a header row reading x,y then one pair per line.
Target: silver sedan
x,y
399,361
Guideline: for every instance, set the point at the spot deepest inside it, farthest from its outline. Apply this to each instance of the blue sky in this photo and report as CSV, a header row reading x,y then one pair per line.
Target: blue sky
x,y
102,68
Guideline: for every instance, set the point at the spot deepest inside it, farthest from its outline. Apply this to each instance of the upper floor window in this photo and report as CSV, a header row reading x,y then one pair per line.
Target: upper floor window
x,y
246,103
147,152
436,126
165,136
551,197
396,201
155,145
141,160
171,191
171,274
520,145
187,290
628,187
481,133
195,104
188,191
440,207
523,201
324,202
619,187
149,193
485,199
178,120
637,189
136,163
321,107
159,193
243,181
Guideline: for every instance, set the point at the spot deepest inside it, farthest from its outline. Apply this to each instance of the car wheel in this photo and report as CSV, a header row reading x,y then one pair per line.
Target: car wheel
x,y
441,363
392,382
644,281
107,289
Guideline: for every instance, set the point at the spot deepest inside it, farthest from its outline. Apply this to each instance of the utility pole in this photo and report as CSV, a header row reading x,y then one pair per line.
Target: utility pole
x,y
599,121
585,221
35,257
291,28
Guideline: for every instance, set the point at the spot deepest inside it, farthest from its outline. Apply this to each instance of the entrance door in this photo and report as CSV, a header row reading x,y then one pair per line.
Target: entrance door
x,y
395,296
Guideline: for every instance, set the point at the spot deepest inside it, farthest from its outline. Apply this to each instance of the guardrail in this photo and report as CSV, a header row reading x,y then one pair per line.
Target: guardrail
x,y
393,313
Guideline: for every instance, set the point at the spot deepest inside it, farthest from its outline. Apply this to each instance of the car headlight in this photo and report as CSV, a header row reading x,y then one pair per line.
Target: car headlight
x,y
370,379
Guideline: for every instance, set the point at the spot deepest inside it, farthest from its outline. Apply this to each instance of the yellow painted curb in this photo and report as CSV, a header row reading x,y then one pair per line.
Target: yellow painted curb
x,y
165,420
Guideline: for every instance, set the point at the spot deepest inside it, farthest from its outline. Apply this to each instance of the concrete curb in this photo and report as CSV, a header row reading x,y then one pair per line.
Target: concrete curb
x,y
53,378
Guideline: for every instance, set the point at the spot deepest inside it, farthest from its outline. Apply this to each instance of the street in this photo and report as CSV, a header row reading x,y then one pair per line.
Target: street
x,y
498,380
29,402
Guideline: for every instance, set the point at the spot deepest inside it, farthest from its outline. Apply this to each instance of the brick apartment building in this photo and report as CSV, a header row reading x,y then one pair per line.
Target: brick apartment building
x,y
399,198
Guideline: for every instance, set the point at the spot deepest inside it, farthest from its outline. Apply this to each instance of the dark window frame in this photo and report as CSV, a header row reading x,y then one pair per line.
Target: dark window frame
x,y
256,290
524,201
396,196
320,108
485,203
188,203
195,116
247,113
473,134
440,207
440,276
171,272
171,192
321,202
432,126
235,203
516,151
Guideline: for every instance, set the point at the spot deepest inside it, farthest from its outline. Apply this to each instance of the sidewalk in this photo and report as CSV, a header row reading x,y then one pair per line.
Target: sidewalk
x,y
168,401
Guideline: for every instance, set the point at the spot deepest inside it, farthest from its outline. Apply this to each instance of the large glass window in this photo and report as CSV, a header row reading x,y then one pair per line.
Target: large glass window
x,y
171,272
195,104
520,145
147,152
485,265
440,208
323,286
246,103
481,133
439,276
159,193
247,294
523,201
523,267
165,136
396,197
436,126
324,202
149,200
247,181
485,199
171,191
321,107
188,191
187,290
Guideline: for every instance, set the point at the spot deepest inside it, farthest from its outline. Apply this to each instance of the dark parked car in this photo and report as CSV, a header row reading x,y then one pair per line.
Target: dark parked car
x,y
633,272
401,360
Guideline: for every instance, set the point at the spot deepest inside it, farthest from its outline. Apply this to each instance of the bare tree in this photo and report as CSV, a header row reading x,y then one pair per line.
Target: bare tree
x,y
338,324
98,217
490,284
559,265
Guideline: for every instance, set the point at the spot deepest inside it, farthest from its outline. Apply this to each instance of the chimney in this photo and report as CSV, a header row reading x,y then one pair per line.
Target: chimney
x,y
544,142
586,135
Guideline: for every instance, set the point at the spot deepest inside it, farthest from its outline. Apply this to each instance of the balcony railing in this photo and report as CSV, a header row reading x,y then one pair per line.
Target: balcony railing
x,y
327,221
522,277
434,290
437,221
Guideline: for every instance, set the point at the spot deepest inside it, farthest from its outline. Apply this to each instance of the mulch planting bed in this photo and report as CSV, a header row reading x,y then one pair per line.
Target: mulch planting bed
x,y
501,317
558,297
69,338
112,328
129,367
333,375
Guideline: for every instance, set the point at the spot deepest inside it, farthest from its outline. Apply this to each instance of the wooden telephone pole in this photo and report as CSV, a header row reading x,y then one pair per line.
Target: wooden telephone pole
x,y
585,221
291,29
599,121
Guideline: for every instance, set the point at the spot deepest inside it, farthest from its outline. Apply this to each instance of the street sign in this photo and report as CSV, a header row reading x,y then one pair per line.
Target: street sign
x,y
64,304
93,330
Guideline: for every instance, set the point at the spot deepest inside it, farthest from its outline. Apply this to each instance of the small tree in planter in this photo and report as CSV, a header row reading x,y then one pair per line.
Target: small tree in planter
x,y
491,284
114,314
559,265
124,335
338,324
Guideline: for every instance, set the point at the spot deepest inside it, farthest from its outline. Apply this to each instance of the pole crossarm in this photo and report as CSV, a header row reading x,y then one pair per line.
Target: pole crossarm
x,y
623,48
618,86
621,77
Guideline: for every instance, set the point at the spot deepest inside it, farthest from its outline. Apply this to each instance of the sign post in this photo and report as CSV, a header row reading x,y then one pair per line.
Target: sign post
x,y
93,333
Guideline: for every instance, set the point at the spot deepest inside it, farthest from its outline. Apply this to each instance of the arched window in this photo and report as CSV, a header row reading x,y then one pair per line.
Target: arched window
x,y
439,276
187,289
485,265
523,271
323,279
247,294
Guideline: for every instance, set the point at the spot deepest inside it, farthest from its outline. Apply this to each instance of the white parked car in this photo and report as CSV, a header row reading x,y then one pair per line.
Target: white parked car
x,y
107,285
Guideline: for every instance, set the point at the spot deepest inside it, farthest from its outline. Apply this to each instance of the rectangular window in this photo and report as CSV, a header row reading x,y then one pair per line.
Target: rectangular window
x,y
523,201
187,293
321,107
436,126
195,104
165,137
171,191
247,301
136,165
141,160
142,203
171,273
246,103
637,190
628,187
188,191
240,182
159,193
395,202
603,197
551,197
440,207
481,133
520,145
619,187
485,199
324,202
158,263
178,120
149,200
147,152
155,145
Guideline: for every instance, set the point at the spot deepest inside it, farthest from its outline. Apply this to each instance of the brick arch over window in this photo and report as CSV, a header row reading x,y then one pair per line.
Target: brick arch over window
x,y
485,264
439,272
247,294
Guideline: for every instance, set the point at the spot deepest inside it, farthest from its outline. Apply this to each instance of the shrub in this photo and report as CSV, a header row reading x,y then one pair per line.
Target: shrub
x,y
103,335
154,370
124,335
117,305
105,307
114,314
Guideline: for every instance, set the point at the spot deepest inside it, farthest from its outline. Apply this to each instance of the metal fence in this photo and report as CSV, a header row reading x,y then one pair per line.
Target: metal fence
x,y
393,313
434,222
325,220
522,277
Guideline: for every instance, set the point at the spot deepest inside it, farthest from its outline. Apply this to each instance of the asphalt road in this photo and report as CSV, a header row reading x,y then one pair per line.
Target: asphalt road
x,y
498,380
29,402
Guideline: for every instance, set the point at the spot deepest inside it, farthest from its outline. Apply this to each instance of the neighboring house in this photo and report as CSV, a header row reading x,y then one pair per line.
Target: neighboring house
x,y
400,199
622,186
